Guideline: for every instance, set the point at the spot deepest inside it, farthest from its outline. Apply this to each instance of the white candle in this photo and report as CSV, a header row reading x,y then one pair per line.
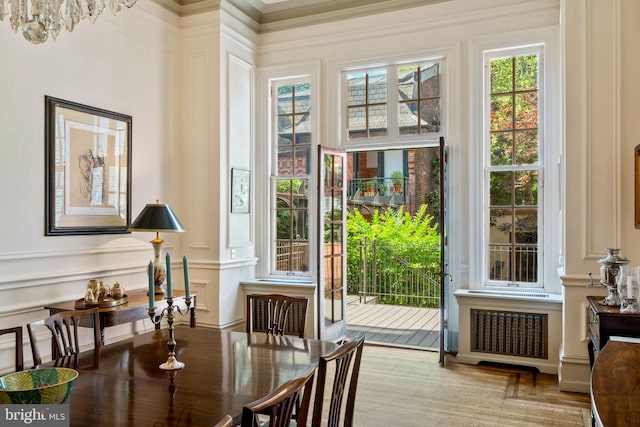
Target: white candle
x,y
151,286
185,267
169,290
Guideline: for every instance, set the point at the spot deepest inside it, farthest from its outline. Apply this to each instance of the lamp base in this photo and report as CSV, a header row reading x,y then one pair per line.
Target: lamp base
x,y
159,290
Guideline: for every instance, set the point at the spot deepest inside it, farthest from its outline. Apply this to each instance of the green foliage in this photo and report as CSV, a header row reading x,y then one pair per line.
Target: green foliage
x,y
413,239
397,177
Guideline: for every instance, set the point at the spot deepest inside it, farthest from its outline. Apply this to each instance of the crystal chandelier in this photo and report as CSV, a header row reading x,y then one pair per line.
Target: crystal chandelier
x,y
39,18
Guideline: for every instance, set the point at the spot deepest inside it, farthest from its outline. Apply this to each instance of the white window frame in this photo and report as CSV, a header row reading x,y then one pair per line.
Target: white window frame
x,y
266,161
551,243
393,139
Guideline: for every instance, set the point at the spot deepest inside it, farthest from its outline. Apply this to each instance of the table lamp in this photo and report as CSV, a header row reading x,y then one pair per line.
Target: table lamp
x,y
156,218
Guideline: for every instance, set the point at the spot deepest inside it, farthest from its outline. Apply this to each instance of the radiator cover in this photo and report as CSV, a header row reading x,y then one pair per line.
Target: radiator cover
x,y
510,333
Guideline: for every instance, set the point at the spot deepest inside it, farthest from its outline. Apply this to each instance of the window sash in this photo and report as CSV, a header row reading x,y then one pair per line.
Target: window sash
x,y
513,237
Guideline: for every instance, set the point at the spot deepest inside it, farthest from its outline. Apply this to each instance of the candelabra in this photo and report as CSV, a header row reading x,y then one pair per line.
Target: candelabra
x,y
172,363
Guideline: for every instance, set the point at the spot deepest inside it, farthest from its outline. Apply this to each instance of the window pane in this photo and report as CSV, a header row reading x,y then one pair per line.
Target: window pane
x,y
527,147
430,81
284,128
357,122
500,225
526,226
302,98
526,72
285,101
408,118
501,148
526,188
499,262
501,75
285,161
501,112
377,121
527,110
357,89
302,165
526,264
377,89
500,190
407,85
430,115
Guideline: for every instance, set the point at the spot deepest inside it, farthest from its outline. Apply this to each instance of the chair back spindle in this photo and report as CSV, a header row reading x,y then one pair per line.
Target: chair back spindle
x,y
346,363
276,314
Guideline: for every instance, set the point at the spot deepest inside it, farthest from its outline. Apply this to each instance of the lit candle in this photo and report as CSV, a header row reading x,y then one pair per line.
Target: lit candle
x,y
185,267
169,293
151,286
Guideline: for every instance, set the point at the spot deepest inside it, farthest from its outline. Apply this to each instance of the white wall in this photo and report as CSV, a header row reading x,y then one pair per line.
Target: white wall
x,y
125,64
602,129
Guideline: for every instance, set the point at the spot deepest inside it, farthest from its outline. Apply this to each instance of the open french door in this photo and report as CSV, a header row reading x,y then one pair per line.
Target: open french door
x,y
445,276
332,267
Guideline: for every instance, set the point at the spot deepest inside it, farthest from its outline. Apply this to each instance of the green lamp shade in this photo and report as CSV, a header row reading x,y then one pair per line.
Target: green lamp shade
x,y
157,217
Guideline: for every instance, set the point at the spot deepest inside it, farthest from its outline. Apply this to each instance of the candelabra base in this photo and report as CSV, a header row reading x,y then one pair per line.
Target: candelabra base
x,y
172,364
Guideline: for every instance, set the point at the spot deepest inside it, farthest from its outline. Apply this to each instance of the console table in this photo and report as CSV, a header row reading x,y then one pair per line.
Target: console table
x,y
606,321
136,308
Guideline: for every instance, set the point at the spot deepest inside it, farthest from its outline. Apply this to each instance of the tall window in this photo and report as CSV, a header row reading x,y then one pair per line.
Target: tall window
x,y
513,167
291,178
373,111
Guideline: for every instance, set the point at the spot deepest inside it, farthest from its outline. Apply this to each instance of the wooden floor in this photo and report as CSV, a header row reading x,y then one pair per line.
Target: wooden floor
x,y
408,387
394,325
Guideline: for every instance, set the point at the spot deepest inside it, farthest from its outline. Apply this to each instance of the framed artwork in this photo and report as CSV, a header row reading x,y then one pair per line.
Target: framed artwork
x,y
88,169
637,184
239,191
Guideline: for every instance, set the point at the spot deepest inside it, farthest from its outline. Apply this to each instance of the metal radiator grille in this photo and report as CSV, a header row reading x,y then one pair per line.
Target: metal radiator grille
x,y
509,333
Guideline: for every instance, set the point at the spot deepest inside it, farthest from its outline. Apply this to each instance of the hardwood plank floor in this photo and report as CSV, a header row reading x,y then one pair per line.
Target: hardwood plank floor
x,y
395,325
408,387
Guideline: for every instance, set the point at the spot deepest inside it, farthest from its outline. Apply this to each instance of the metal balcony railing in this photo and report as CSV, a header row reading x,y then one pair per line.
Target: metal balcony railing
x,y
394,275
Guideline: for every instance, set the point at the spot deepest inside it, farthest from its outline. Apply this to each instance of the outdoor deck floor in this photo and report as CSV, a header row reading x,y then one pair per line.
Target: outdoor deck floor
x,y
394,325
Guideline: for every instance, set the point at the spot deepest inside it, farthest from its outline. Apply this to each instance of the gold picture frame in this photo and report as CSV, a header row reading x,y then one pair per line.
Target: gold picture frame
x,y
637,185
88,169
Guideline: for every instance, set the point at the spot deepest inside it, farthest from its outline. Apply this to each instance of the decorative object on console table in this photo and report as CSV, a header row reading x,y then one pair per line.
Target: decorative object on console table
x,y
609,269
172,363
156,218
88,169
606,321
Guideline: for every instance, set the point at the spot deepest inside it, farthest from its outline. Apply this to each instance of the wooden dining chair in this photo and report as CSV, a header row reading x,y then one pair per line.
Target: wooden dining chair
x,y
19,355
64,332
280,404
346,367
276,314
227,421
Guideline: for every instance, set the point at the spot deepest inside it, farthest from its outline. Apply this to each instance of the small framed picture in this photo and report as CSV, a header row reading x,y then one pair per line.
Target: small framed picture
x,y
88,169
240,190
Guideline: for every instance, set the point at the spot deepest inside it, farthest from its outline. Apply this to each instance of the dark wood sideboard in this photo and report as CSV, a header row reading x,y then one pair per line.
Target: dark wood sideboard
x,y
606,321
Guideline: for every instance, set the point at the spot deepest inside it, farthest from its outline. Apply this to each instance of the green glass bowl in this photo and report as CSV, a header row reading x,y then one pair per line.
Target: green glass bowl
x,y
37,386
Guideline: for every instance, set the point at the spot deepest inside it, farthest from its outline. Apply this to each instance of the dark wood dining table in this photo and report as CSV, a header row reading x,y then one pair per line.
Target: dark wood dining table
x,y
122,385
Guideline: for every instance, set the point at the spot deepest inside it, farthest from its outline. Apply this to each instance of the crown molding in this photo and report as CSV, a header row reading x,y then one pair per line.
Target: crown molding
x,y
289,13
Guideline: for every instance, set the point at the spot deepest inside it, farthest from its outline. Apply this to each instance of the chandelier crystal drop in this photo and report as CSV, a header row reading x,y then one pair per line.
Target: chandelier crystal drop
x,y
40,18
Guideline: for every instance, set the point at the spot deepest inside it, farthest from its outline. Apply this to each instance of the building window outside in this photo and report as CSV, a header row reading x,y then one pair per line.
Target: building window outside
x,y
291,178
513,167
